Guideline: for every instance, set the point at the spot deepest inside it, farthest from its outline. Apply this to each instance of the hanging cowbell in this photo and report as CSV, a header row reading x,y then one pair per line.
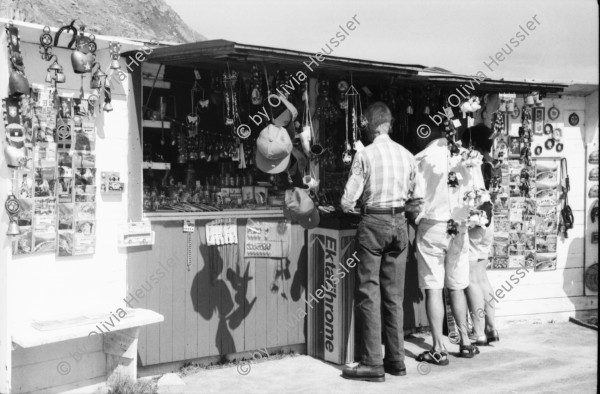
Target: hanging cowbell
x,y
82,58
18,83
14,156
13,228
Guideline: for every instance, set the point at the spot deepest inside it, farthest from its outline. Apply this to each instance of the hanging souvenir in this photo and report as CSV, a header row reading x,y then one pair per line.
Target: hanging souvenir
x,y
230,95
498,127
553,112
516,113
326,110
256,95
17,83
354,102
342,88
84,57
347,154
14,151
452,179
451,228
538,120
12,207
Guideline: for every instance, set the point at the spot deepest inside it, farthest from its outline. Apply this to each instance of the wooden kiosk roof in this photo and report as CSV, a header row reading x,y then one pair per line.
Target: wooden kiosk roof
x,y
212,53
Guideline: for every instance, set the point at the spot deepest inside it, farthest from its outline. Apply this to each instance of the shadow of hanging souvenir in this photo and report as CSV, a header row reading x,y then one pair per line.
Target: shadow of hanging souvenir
x,y
17,83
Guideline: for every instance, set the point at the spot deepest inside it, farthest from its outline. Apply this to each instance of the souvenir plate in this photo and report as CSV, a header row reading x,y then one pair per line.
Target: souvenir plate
x,y
573,119
553,113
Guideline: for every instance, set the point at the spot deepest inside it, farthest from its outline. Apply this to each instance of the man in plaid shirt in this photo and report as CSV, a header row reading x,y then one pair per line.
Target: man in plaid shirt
x,y
383,174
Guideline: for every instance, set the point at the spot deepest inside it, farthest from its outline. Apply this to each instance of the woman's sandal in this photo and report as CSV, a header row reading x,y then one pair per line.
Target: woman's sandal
x,y
432,357
493,336
480,341
468,351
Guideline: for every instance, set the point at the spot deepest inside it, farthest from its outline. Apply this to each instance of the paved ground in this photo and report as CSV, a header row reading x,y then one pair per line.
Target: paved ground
x,y
548,358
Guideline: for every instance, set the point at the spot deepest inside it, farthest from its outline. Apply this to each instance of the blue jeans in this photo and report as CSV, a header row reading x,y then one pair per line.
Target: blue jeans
x,y
382,241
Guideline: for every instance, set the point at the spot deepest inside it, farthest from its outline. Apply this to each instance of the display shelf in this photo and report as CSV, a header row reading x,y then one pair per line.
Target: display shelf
x,y
156,124
230,213
159,84
153,165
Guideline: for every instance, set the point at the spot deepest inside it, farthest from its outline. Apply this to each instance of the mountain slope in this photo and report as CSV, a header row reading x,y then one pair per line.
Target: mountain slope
x,y
140,19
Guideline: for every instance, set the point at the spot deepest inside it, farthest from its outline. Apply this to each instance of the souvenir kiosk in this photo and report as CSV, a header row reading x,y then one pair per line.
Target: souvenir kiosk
x,y
188,230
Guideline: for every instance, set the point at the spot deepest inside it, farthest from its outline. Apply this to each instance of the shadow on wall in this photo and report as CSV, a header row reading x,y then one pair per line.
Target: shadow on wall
x,y
221,290
211,295
572,264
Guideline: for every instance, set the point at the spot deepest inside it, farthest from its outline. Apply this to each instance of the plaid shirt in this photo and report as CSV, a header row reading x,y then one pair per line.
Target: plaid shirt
x,y
383,173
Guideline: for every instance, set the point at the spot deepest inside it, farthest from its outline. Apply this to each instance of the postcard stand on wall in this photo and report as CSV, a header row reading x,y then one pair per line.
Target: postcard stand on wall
x,y
135,234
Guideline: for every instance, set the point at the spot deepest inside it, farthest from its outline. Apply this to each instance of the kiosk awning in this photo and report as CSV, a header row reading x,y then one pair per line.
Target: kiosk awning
x,y
218,51
213,53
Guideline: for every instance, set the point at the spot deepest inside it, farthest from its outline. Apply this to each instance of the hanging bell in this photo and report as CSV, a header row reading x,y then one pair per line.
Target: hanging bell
x,y
529,100
60,77
13,228
107,106
55,66
48,77
114,64
82,59
18,83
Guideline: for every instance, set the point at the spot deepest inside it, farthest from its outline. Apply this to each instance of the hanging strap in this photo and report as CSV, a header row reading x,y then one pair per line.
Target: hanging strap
x,y
268,90
564,176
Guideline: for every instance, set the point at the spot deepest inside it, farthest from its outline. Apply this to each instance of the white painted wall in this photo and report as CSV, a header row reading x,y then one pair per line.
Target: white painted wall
x,y
43,285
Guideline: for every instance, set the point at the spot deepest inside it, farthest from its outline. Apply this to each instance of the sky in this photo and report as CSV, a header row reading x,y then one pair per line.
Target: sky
x,y
457,35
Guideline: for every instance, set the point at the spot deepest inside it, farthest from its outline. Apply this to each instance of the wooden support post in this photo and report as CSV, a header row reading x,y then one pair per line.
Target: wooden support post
x,y
121,352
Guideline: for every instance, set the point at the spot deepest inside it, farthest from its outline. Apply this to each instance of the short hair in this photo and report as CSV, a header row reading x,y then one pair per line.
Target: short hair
x,y
478,137
378,114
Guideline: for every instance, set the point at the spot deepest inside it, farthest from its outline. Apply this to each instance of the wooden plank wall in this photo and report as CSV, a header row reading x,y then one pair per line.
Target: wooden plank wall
x,y
56,367
555,295
223,304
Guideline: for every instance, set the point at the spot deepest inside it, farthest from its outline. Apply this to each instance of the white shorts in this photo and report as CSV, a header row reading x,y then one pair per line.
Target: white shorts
x,y
442,260
480,242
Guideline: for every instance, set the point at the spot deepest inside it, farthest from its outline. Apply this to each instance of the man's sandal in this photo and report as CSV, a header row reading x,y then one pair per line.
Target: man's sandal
x,y
493,336
432,357
468,351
